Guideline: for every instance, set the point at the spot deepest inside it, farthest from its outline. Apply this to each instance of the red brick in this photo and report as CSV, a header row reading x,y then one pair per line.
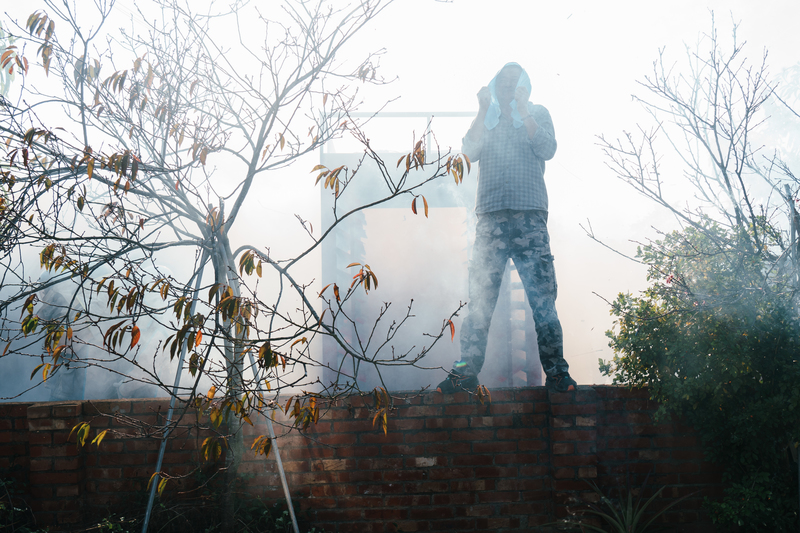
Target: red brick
x,y
54,478
482,472
40,411
614,431
424,411
394,463
66,463
574,460
473,460
497,496
473,485
516,458
560,448
494,447
403,449
446,423
383,514
461,410
628,443
121,407
573,409
533,445
68,410
574,434
455,448
455,499
40,438
562,422
430,513
583,448
41,465
68,450
68,491
338,439
534,470
519,434
510,408
491,421
451,473
406,424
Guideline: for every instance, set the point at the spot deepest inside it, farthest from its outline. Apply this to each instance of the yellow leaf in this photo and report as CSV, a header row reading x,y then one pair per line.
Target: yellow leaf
x,y
150,482
135,335
162,485
211,392
323,290
83,433
35,370
99,438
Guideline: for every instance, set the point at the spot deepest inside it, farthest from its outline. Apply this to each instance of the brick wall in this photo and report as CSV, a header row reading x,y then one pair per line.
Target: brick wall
x,y
446,464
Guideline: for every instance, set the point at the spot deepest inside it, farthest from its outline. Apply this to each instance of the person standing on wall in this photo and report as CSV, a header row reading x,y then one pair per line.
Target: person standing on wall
x,y
512,138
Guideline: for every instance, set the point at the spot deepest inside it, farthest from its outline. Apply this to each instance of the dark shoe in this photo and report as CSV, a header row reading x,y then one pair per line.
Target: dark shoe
x,y
456,383
560,383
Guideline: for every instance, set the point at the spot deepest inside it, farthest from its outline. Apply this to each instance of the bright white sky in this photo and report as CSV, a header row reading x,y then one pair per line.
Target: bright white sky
x,y
584,58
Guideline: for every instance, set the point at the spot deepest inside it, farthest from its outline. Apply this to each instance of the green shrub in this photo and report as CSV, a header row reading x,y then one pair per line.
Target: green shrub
x,y
715,339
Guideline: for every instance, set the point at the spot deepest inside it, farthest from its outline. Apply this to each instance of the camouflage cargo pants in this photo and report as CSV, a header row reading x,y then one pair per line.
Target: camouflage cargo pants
x,y
523,237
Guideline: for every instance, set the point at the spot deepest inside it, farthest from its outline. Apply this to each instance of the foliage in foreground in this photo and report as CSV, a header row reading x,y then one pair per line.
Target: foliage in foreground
x,y
715,337
627,513
203,513
715,340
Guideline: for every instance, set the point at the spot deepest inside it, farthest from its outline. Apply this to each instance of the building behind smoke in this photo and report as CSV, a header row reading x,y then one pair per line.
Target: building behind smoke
x,y
424,260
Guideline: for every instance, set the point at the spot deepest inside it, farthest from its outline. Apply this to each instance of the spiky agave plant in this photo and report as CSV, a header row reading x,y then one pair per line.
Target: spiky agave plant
x,y
624,515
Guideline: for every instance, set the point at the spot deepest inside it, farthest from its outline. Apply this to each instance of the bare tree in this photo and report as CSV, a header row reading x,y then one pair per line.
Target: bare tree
x,y
712,337
707,117
166,131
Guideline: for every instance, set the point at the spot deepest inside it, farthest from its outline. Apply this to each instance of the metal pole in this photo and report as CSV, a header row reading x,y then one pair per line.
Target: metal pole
x,y
175,385
278,461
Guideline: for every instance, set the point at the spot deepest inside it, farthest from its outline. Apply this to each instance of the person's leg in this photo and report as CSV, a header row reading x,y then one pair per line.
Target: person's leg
x,y
489,258
530,243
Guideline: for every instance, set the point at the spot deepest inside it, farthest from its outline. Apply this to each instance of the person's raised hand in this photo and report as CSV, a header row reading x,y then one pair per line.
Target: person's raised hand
x,y
484,98
521,95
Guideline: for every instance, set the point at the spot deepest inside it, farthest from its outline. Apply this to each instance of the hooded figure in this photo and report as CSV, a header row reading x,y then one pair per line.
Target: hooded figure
x,y
493,114
512,138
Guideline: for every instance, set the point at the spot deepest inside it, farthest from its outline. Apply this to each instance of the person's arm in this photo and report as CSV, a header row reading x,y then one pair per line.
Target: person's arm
x,y
531,126
540,130
473,140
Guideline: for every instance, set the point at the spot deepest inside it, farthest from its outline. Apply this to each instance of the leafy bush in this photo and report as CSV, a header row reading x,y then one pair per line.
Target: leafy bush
x,y
715,340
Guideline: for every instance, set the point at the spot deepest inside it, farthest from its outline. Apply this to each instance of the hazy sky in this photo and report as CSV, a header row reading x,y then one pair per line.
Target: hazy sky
x,y
584,58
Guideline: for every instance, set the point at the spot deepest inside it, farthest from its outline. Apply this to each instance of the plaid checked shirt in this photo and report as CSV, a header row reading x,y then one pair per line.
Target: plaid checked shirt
x,y
511,165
